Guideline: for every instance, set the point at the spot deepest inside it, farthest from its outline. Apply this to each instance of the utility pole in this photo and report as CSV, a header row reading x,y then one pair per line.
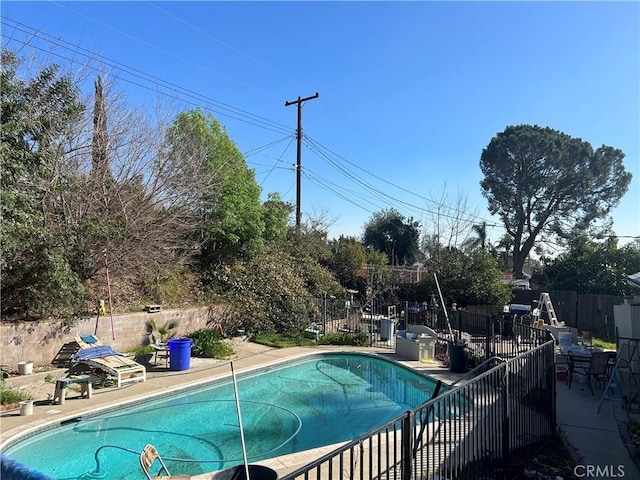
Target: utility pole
x,y
299,154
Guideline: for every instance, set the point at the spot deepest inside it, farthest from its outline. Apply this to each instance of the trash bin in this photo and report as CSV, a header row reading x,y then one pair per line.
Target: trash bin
x,y
180,353
386,329
457,358
256,472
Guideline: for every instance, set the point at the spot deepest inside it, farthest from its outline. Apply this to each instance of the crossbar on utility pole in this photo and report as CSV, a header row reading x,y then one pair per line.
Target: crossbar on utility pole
x,y
299,154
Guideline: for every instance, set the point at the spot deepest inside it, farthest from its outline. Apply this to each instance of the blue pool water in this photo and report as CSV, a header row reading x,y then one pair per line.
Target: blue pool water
x,y
312,402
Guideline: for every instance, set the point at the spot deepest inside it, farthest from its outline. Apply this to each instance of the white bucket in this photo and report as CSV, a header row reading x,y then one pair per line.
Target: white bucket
x,y
25,368
565,339
26,407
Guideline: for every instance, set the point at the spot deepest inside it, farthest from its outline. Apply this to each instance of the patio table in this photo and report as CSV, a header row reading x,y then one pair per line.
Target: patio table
x,y
580,361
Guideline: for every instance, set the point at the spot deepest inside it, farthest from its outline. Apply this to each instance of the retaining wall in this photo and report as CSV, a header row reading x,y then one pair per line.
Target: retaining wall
x,y
40,341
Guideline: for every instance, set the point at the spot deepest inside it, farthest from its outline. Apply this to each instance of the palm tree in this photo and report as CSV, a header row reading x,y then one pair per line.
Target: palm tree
x,y
161,333
480,241
504,250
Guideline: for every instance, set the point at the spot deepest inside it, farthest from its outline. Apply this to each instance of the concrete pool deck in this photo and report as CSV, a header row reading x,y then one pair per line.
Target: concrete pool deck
x,y
595,436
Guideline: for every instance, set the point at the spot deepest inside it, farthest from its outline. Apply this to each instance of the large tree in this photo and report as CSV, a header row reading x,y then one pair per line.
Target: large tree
x,y
127,199
348,261
276,218
542,182
37,115
471,278
232,212
388,231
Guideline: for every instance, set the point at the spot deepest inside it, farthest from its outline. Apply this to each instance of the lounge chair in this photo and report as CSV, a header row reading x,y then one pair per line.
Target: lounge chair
x,y
148,455
88,341
96,355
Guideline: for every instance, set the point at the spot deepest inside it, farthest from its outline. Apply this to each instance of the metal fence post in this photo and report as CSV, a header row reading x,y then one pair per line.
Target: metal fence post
x,y
506,427
407,445
488,338
324,313
551,378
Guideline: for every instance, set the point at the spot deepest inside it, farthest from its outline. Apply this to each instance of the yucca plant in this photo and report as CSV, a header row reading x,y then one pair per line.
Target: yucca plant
x,y
162,333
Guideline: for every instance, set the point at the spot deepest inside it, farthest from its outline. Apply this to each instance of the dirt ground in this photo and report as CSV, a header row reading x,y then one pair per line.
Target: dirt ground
x,y
38,387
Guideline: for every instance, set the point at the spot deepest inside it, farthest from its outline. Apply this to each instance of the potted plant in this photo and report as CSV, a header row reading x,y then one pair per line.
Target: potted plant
x,y
143,353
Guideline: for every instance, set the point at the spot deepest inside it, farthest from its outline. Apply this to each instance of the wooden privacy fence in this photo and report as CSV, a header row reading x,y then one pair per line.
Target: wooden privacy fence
x,y
587,311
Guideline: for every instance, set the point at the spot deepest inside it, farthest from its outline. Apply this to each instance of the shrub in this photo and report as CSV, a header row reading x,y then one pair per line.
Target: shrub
x,y
284,340
208,343
344,338
144,353
11,395
218,350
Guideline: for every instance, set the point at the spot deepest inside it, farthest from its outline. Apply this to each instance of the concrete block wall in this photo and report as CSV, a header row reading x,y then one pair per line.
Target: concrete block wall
x,y
40,341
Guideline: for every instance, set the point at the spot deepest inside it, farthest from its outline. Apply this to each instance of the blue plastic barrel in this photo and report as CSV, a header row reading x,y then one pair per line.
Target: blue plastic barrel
x,y
11,469
180,353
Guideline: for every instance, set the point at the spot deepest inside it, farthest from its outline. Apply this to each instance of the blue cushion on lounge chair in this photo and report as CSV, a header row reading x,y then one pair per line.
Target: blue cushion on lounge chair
x,y
89,339
98,351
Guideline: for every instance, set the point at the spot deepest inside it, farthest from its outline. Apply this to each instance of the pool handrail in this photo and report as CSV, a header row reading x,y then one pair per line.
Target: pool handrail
x,y
476,368
423,425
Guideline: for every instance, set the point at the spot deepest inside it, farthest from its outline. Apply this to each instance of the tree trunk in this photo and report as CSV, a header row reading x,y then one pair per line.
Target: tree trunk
x,y
519,257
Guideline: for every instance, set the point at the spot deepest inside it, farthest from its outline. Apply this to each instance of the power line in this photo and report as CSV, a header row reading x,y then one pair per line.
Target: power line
x,y
266,146
216,106
277,161
376,191
215,39
334,189
166,52
232,112
382,179
238,114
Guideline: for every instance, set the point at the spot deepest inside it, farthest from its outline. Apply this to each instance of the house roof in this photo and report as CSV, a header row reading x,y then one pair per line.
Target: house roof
x,y
634,279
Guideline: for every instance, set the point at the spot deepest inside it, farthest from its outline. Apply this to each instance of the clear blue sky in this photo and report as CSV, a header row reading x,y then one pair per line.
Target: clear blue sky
x,y
410,93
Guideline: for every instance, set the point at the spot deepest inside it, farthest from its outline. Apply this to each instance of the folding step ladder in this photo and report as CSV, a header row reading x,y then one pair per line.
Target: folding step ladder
x,y
545,303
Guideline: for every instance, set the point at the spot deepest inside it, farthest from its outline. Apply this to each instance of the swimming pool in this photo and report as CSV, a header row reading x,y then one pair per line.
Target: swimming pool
x,y
311,402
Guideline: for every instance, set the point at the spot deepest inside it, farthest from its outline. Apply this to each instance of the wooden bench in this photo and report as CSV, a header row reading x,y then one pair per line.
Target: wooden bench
x,y
152,308
61,387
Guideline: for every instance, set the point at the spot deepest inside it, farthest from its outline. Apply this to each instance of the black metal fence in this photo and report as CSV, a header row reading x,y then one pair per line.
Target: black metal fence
x,y
626,374
488,428
330,314
504,334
